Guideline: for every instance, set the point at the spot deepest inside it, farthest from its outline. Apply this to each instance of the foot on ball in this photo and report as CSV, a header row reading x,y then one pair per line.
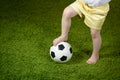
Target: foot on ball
x,y
59,39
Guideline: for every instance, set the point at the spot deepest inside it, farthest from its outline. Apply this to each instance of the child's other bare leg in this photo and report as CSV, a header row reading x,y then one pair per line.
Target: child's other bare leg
x,y
96,38
66,23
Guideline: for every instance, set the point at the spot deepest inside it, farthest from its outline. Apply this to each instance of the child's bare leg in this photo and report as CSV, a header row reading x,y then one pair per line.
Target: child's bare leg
x,y
96,38
66,23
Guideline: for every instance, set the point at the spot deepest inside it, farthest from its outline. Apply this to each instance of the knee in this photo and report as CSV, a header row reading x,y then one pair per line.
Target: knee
x,y
67,13
95,34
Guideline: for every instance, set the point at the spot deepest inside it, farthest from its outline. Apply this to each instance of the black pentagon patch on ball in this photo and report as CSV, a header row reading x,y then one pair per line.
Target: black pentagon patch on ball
x,y
61,47
70,50
52,54
63,58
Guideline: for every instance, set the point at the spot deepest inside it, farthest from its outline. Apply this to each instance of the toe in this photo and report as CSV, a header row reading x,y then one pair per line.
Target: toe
x,y
90,61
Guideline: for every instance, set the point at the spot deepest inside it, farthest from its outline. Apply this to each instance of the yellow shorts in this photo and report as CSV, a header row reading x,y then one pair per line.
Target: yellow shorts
x,y
94,16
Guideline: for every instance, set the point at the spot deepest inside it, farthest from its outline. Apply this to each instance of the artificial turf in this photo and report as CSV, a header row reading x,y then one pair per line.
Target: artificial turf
x,y
27,28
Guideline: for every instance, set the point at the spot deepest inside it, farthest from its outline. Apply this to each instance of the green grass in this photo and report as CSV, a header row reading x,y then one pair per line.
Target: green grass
x,y
27,28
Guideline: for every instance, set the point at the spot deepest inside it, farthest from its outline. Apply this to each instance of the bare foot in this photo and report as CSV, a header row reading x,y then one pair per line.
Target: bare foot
x,y
59,39
93,59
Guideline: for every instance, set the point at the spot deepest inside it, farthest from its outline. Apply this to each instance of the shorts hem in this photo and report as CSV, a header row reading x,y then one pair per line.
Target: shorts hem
x,y
91,27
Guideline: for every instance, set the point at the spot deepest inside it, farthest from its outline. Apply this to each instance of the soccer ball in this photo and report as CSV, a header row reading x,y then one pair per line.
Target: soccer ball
x,y
62,52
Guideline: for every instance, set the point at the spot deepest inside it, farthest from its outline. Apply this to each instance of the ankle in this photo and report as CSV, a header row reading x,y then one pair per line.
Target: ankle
x,y
64,36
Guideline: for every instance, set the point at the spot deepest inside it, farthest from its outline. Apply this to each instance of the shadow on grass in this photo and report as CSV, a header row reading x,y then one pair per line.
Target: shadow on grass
x,y
80,56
